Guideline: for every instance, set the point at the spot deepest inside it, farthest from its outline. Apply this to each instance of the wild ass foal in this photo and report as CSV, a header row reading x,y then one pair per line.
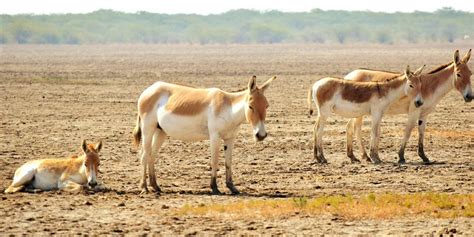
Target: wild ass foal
x,y
194,114
67,174
435,85
354,99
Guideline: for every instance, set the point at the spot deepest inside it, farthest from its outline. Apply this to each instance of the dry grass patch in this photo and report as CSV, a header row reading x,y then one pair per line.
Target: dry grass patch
x,y
370,206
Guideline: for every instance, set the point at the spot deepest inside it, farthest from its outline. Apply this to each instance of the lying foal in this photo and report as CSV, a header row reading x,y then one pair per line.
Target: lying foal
x,y
66,174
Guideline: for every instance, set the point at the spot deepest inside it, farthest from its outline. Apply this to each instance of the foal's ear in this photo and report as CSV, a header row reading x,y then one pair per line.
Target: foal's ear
x,y
252,83
98,146
267,83
457,61
419,70
467,56
84,146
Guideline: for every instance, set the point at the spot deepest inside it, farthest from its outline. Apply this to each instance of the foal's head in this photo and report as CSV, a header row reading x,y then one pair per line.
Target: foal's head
x,y
257,105
462,78
413,85
91,161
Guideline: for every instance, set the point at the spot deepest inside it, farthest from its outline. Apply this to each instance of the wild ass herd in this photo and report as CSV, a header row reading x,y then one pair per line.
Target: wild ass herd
x,y
194,114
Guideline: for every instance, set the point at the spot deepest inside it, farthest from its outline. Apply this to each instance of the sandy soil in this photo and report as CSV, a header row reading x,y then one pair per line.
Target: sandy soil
x,y
52,97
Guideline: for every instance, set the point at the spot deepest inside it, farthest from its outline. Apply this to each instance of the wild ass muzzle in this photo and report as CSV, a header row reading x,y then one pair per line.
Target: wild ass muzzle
x,y
194,114
435,85
354,99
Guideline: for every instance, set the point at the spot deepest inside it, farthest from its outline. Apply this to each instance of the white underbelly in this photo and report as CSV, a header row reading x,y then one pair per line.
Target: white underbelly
x,y
185,128
46,180
351,110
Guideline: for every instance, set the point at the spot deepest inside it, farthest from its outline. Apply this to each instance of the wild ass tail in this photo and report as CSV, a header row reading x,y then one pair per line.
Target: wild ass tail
x,y
310,100
137,132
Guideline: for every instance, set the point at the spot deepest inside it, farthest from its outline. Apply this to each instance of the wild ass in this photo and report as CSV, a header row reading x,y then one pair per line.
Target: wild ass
x,y
194,114
435,85
67,174
354,99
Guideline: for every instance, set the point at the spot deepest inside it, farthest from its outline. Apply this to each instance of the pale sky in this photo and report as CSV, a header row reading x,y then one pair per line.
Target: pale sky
x,y
205,7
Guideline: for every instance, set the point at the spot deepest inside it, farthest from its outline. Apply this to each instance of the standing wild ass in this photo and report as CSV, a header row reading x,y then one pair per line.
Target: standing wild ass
x,y
66,174
194,114
354,99
435,85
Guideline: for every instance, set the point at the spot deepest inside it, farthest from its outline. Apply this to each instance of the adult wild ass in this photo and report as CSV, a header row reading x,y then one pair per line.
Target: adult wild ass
x,y
354,99
435,85
194,114
66,174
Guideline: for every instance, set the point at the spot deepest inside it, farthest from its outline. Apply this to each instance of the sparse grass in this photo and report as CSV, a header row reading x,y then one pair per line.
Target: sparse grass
x,y
370,206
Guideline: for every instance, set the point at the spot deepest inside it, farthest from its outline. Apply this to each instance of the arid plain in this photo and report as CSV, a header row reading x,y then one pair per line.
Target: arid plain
x,y
52,97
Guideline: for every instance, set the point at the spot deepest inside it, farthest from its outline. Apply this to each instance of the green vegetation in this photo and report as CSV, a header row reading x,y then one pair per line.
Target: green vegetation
x,y
238,26
370,206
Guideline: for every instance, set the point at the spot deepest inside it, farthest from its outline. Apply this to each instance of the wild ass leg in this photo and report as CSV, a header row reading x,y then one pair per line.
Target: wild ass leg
x,y
318,132
214,162
421,138
228,146
412,117
147,138
375,137
360,142
349,141
158,138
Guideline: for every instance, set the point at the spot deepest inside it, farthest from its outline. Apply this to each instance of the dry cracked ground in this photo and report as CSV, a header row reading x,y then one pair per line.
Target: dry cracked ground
x,y
52,97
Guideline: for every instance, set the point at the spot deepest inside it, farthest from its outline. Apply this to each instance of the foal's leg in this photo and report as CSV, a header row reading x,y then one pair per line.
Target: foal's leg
x,y
358,132
70,186
228,146
214,138
21,179
158,138
349,141
412,118
318,133
375,138
421,138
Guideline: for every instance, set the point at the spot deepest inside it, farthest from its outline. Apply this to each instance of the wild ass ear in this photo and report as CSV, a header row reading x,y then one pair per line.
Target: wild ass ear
x,y
252,83
467,56
267,83
457,61
407,72
419,70
98,146
84,146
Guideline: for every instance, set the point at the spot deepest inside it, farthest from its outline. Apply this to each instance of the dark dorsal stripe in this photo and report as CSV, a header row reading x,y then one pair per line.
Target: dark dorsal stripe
x,y
439,68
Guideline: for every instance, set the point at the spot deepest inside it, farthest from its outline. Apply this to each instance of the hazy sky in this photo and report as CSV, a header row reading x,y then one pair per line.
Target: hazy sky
x,y
218,6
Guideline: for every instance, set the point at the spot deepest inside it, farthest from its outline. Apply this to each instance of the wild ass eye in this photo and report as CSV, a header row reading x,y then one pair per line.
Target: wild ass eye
x,y
459,74
411,86
250,107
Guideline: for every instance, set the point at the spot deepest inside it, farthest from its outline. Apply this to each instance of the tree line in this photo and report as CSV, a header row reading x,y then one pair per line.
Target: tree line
x,y
238,27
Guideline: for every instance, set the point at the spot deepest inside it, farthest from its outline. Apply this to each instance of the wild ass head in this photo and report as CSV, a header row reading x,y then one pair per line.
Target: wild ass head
x,y
462,80
413,85
91,161
256,109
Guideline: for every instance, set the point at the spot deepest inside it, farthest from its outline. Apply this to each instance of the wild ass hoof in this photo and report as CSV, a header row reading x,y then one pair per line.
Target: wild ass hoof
x,y
401,160
157,189
353,159
144,191
376,160
427,162
425,159
366,157
232,189
216,192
